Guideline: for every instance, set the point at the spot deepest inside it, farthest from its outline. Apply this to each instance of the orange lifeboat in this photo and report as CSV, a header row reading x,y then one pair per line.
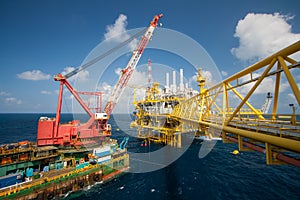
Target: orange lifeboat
x,y
6,160
23,157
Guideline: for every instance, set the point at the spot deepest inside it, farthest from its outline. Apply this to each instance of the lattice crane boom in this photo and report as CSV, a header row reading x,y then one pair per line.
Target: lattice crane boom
x,y
127,72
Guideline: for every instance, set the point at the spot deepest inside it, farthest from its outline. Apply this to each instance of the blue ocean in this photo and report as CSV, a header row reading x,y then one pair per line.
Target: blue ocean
x,y
219,175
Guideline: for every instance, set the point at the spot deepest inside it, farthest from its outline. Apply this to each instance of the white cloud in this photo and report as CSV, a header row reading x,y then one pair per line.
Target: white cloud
x,y
34,75
138,80
67,70
125,102
118,71
260,35
12,100
292,97
224,73
208,78
106,89
267,85
2,93
46,92
117,32
9,100
81,76
70,97
207,75
284,86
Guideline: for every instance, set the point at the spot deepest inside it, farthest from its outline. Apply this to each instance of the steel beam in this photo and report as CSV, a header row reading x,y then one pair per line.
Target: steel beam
x,y
285,143
284,53
290,79
251,91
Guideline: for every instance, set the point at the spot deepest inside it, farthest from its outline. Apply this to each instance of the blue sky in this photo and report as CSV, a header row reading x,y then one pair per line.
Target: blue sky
x,y
42,38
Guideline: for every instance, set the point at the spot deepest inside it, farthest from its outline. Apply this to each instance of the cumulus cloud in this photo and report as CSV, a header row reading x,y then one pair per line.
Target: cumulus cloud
x,y
82,76
12,101
261,35
46,92
117,32
34,75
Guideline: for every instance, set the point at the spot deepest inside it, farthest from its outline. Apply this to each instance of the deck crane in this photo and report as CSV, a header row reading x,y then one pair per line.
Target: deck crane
x,y
51,132
128,71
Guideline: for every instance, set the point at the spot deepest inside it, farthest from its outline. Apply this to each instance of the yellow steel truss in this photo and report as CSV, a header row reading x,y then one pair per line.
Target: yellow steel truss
x,y
211,108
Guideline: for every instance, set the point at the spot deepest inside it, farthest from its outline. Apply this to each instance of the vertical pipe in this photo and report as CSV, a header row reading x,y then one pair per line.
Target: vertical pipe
x,y
181,85
149,73
174,81
268,154
225,107
276,93
240,143
167,81
179,140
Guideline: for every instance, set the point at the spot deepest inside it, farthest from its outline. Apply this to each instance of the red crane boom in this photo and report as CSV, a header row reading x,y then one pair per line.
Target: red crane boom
x,y
51,132
128,71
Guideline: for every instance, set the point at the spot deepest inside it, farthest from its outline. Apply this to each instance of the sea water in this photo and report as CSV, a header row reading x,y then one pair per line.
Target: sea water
x,y
219,175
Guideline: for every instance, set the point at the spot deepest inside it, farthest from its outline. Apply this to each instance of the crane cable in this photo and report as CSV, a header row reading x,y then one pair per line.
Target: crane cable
x,y
93,61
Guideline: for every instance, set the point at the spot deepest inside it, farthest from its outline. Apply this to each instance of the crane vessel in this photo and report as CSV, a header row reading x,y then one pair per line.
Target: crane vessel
x,y
72,156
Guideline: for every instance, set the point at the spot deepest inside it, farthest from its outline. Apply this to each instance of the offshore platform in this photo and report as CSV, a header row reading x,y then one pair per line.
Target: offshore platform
x,y
152,122
222,112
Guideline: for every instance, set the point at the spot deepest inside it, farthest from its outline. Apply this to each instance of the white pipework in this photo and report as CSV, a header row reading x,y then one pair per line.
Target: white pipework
x,y
174,82
181,85
149,73
167,81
